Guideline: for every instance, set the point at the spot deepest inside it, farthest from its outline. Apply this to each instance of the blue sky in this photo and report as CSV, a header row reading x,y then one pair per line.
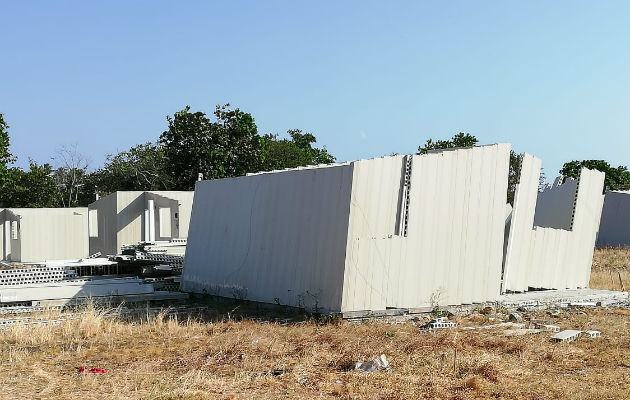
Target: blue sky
x,y
367,78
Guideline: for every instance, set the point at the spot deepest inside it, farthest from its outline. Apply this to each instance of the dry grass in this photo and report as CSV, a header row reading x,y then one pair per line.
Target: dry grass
x,y
161,358
156,357
611,269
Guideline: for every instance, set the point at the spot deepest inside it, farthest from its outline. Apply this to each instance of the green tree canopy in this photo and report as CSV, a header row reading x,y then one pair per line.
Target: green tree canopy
x,y
291,153
33,188
5,154
194,144
142,167
616,178
459,140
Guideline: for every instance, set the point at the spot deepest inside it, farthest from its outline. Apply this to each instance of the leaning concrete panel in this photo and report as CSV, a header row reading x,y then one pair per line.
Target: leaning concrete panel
x,y
520,237
185,200
614,228
453,248
272,237
555,205
588,211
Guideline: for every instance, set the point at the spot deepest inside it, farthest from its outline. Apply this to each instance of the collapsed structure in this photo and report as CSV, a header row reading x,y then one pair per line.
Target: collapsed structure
x,y
391,232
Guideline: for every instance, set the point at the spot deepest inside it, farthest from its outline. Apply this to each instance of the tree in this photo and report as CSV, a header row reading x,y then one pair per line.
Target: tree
x,y
514,175
616,178
33,188
70,174
193,144
459,140
5,154
142,167
291,153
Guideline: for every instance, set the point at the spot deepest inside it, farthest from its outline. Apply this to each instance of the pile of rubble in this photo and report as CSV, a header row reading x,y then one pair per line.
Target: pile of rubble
x,y
147,271
169,252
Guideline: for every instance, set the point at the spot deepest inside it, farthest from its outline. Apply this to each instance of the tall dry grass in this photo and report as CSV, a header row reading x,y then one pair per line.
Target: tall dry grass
x,y
232,355
611,269
152,356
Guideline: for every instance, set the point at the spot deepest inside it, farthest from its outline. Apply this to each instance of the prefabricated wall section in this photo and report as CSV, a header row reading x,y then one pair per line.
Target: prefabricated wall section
x,y
557,255
453,247
399,231
614,228
272,237
121,218
555,205
103,238
39,234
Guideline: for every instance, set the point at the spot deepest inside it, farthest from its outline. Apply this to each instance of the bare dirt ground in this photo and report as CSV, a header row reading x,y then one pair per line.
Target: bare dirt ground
x,y
156,357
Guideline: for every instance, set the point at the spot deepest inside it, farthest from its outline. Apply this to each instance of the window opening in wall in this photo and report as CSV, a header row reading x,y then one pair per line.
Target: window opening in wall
x,y
165,222
14,230
93,223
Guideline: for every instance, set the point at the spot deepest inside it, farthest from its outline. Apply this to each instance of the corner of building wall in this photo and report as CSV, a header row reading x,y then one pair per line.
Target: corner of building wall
x,y
346,287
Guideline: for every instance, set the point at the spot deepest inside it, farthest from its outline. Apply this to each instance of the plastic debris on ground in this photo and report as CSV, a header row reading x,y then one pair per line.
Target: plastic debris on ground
x,y
378,363
98,371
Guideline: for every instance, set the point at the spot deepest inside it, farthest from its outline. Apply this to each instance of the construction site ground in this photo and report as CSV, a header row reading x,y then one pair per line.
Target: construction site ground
x,y
229,351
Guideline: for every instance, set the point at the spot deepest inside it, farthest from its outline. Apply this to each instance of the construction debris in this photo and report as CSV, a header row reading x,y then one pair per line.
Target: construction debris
x,y
170,252
548,328
500,325
438,323
593,334
567,335
98,371
378,363
520,332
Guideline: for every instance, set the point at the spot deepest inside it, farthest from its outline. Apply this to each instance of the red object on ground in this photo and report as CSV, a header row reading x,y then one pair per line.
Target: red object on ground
x,y
91,370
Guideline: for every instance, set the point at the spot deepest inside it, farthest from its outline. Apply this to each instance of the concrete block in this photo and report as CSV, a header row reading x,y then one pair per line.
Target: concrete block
x,y
548,328
567,335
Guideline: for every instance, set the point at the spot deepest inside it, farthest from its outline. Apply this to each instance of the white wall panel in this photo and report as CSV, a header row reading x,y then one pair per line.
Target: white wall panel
x,y
520,238
106,211
49,233
121,218
330,235
555,205
274,237
546,257
454,247
614,229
